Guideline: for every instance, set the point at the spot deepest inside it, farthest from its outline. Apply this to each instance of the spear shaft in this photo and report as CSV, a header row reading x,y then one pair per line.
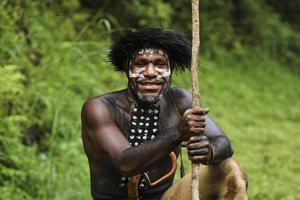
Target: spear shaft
x,y
195,86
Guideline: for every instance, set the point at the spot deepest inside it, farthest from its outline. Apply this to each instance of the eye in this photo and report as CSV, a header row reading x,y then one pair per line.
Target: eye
x,y
161,65
139,64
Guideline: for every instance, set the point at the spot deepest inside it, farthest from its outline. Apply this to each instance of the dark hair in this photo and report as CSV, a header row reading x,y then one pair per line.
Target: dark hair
x,y
175,44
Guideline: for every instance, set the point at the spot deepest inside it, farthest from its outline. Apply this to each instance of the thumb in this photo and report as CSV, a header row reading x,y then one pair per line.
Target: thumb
x,y
206,110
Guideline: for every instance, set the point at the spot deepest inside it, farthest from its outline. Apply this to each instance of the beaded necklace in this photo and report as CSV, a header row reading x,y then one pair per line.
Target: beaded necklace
x,y
143,127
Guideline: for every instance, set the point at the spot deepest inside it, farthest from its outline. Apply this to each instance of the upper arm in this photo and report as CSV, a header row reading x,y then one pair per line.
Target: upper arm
x,y
105,136
183,100
212,129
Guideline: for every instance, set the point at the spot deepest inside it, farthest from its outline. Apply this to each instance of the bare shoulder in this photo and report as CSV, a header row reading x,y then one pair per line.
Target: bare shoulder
x,y
182,98
99,109
94,112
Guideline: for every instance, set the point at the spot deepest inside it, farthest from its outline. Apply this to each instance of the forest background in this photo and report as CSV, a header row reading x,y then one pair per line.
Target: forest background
x,y
53,58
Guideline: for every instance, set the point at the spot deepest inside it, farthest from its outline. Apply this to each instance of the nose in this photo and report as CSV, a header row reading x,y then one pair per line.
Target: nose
x,y
150,71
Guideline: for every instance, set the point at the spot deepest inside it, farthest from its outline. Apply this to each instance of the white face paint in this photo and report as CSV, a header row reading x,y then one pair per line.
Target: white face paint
x,y
138,73
162,71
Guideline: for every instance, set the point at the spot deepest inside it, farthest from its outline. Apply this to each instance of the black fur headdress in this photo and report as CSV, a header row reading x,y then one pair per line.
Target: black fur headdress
x,y
175,44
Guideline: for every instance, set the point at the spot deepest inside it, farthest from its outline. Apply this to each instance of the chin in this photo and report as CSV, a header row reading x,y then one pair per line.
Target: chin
x,y
148,99
147,96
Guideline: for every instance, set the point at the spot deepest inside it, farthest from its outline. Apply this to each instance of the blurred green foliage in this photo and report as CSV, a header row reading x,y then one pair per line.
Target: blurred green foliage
x,y
53,57
227,24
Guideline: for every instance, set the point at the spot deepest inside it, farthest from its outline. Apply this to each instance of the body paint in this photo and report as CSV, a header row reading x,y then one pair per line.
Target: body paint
x,y
163,73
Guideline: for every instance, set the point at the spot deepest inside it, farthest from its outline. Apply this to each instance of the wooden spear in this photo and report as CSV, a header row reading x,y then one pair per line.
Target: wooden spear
x,y
195,86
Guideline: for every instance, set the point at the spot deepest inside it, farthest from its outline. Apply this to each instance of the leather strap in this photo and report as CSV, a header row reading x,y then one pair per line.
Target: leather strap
x,y
166,176
133,181
132,187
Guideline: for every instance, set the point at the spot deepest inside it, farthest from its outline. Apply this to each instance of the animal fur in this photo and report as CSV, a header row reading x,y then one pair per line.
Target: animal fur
x,y
224,181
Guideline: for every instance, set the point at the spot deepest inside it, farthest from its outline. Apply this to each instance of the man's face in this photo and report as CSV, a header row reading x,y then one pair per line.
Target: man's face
x,y
149,75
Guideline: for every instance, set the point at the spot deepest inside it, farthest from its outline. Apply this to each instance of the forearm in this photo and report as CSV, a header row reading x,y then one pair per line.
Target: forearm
x,y
139,159
221,147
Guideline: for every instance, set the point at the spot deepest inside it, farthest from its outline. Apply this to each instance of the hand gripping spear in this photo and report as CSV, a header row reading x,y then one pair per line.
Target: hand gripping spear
x,y
195,87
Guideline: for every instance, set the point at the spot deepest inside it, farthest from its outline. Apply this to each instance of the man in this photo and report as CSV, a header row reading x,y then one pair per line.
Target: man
x,y
132,137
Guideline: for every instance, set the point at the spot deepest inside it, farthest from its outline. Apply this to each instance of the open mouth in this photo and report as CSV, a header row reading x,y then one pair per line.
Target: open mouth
x,y
149,88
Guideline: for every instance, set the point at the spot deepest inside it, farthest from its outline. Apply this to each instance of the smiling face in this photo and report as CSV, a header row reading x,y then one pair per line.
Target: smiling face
x,y
149,75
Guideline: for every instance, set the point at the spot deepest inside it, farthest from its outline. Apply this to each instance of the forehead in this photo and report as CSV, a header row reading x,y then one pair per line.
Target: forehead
x,y
150,57
150,53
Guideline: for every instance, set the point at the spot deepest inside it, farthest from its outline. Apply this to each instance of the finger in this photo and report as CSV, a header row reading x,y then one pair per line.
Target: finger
x,y
197,118
188,111
192,117
200,118
197,138
198,145
196,111
199,124
195,124
199,111
199,152
198,159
